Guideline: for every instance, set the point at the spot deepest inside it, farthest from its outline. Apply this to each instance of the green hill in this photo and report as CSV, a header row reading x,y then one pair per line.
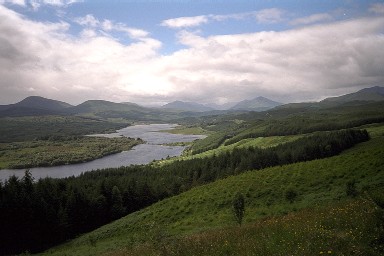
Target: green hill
x,y
375,93
256,104
34,105
128,111
187,106
327,206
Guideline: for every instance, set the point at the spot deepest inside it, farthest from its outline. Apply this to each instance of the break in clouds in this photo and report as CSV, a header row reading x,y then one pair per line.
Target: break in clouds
x,y
306,62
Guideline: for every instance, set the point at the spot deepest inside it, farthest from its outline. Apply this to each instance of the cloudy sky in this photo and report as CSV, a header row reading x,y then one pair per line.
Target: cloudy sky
x,y
210,51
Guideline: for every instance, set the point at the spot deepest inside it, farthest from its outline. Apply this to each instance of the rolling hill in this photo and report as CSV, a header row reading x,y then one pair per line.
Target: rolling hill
x,y
35,105
375,93
102,106
256,104
187,106
361,97
129,111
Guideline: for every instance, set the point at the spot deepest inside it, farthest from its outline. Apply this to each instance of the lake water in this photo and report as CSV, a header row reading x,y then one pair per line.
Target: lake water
x,y
141,154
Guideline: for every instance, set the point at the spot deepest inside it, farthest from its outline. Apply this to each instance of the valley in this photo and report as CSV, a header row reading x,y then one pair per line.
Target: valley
x,y
200,222
292,164
191,128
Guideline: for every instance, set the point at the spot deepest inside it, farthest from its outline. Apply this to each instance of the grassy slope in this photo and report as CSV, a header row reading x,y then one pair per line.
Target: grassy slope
x,y
261,142
317,183
348,228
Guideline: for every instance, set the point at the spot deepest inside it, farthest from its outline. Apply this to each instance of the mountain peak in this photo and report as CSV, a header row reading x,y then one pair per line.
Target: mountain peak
x,y
257,104
34,105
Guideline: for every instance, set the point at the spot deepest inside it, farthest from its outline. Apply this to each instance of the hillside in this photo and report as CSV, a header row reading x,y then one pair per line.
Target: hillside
x,y
187,106
39,106
256,104
282,121
200,220
34,105
101,106
375,93
361,97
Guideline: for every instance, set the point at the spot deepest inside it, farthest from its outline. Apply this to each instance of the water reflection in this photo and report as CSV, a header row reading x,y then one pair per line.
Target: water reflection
x,y
141,154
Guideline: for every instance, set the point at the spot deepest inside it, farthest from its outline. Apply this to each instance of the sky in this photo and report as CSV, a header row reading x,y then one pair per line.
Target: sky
x,y
152,52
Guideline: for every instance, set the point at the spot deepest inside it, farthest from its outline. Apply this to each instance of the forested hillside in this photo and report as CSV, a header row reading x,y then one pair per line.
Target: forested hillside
x,y
335,203
38,214
49,209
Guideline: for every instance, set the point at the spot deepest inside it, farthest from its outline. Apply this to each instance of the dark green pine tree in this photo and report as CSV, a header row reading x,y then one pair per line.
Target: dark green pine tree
x,y
117,208
238,207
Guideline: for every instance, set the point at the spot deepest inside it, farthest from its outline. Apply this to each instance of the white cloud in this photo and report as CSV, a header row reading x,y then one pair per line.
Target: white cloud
x,y
57,65
184,22
377,8
108,25
89,21
272,15
314,18
268,16
36,4
306,63
15,2
190,38
60,3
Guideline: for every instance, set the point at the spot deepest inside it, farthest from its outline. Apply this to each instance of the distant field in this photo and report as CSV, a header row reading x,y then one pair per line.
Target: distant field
x,y
201,220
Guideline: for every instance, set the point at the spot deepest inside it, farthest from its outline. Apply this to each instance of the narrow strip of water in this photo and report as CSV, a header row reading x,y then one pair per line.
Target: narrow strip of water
x,y
154,149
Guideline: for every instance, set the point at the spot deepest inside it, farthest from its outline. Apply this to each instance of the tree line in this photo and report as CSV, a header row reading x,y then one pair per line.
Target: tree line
x,y
35,215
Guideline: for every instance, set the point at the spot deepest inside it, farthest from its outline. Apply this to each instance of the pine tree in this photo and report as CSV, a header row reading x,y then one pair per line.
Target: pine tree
x,y
117,208
238,207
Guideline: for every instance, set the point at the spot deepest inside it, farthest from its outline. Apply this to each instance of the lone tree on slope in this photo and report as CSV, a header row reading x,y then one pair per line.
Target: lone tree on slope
x,y
238,207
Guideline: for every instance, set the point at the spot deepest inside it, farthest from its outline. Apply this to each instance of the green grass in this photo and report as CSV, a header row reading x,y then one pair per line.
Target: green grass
x,y
197,217
348,228
188,130
261,142
374,130
64,150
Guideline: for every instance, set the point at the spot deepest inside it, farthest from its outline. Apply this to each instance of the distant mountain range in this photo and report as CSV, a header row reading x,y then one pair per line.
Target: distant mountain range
x,y
256,104
187,106
36,105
